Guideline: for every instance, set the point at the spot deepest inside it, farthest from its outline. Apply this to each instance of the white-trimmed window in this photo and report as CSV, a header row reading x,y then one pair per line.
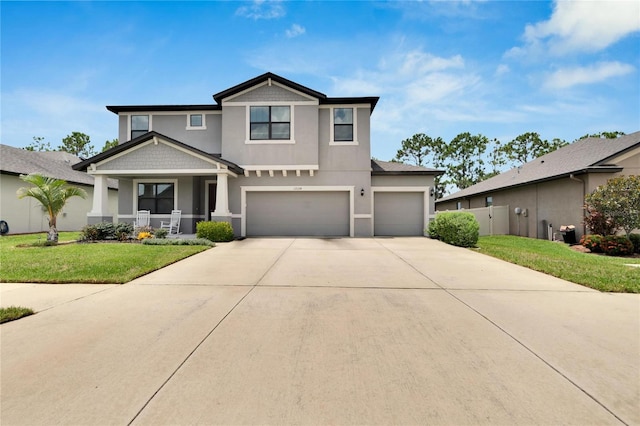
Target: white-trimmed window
x,y
139,125
196,122
270,122
343,126
488,201
159,197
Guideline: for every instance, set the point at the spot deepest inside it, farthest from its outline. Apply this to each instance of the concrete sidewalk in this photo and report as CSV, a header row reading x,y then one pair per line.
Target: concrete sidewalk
x,y
324,331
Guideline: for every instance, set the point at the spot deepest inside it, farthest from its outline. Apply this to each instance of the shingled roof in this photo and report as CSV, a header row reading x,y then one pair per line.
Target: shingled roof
x,y
54,164
590,155
392,168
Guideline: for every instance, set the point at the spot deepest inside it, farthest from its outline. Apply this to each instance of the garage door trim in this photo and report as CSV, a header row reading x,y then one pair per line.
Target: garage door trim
x,y
245,189
423,189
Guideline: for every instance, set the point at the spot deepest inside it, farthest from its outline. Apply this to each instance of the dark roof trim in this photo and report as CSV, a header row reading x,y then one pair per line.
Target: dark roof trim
x,y
262,78
83,165
152,108
595,169
371,100
407,173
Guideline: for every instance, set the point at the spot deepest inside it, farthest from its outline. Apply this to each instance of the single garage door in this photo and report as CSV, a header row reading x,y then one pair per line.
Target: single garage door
x,y
398,213
297,213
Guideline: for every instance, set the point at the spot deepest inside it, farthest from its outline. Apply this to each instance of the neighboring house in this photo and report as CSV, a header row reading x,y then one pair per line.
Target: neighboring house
x,y
271,157
550,190
27,215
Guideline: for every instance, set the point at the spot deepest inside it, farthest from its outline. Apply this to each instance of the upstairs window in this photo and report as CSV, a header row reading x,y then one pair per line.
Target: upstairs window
x,y
270,122
139,125
195,120
156,197
343,124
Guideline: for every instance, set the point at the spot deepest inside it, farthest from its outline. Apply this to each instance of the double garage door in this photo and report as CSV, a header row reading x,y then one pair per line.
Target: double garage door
x,y
298,213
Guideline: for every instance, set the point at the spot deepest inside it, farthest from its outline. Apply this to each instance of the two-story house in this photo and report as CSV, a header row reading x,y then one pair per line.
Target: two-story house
x,y
272,157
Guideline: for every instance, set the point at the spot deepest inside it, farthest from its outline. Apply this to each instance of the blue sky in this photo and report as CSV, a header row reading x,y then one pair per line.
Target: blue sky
x,y
498,68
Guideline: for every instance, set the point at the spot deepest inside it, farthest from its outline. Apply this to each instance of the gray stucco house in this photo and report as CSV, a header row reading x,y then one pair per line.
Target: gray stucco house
x,y
550,190
272,157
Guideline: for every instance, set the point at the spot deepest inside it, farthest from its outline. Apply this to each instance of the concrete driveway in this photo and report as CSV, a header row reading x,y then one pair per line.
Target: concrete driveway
x,y
323,331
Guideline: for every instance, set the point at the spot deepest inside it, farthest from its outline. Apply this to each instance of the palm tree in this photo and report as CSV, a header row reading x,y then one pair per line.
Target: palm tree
x,y
52,194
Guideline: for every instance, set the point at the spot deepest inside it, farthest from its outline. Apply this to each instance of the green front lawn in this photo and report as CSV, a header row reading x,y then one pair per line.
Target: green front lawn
x,y
600,272
82,263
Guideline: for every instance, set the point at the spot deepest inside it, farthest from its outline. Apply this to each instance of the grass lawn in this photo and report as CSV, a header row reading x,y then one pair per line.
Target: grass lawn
x,y
83,263
604,273
13,313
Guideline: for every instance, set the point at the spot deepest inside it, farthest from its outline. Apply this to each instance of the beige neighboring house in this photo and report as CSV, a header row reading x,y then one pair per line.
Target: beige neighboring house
x,y
26,215
549,191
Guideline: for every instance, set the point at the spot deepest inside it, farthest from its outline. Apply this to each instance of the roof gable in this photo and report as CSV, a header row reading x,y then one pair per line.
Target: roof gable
x,y
156,138
585,155
266,78
393,168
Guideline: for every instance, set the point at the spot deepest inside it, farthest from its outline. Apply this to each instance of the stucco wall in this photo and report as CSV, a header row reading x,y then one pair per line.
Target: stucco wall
x,y
26,215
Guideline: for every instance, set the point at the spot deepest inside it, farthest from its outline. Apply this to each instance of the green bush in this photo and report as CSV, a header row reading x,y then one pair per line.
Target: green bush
x,y
617,245
593,242
456,228
160,233
123,231
215,231
433,233
177,242
635,240
106,231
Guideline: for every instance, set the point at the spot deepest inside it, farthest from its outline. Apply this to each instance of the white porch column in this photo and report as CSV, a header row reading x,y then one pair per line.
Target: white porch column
x,y
222,196
100,209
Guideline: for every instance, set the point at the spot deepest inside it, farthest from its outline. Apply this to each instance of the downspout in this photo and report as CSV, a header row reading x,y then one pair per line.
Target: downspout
x,y
584,193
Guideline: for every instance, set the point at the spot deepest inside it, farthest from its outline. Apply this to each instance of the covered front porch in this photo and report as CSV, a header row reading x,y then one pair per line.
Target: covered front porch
x,y
159,174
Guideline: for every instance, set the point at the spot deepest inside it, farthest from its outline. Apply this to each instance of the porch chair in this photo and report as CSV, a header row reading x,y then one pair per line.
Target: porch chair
x,y
143,218
173,226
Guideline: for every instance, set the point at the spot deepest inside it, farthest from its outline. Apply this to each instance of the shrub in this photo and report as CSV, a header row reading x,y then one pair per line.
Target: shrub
x,y
617,245
123,231
106,230
593,242
89,233
457,228
144,235
160,233
215,231
635,240
433,233
598,223
177,242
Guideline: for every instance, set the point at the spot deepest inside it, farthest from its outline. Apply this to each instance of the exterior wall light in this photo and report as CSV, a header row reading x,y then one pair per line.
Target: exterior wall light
x,y
432,192
362,192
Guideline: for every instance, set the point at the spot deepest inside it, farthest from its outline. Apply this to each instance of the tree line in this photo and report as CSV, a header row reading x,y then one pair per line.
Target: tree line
x,y
77,143
468,159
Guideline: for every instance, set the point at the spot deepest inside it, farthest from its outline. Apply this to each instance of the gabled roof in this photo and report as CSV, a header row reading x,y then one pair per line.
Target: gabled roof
x,y
590,155
218,97
379,168
322,98
83,165
53,164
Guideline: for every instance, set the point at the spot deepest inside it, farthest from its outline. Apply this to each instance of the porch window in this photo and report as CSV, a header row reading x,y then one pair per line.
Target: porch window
x,y
343,124
270,122
139,125
156,197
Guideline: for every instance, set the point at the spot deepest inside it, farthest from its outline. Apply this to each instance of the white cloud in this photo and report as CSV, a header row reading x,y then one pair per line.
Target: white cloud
x,y
502,69
567,77
581,26
261,9
295,31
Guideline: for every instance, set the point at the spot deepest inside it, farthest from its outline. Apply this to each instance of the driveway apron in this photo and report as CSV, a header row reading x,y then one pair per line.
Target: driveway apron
x,y
324,331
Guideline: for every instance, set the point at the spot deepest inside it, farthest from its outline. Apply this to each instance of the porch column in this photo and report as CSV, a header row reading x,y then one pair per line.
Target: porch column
x,y
222,196
100,210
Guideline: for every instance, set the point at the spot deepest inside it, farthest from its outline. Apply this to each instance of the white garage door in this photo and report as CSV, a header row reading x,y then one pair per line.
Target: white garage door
x,y
298,213
398,213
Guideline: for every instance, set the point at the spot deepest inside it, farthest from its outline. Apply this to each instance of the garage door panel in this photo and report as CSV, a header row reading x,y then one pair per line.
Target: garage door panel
x,y
313,213
398,213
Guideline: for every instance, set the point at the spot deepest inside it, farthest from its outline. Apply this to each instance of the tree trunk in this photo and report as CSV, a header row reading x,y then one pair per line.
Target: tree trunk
x,y
52,236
